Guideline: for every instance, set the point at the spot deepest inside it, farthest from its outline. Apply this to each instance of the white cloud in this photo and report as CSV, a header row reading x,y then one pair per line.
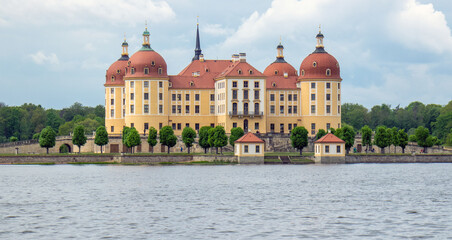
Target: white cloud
x,y
75,12
41,58
93,63
216,30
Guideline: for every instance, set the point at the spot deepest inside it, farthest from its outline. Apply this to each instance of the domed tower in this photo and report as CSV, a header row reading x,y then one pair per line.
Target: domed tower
x,y
280,67
114,88
146,89
320,83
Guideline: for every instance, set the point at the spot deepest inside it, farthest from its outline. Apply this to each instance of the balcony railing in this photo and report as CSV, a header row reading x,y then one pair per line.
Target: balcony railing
x,y
245,114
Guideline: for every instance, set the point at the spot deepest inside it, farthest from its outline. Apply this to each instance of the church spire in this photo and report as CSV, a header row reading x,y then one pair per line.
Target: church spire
x,y
198,44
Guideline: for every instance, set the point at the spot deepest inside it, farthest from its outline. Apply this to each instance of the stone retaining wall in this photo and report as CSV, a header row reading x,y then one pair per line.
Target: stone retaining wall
x,y
398,158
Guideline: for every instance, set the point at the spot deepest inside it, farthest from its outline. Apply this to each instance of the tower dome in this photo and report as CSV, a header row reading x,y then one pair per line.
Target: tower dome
x,y
116,71
146,62
280,67
320,64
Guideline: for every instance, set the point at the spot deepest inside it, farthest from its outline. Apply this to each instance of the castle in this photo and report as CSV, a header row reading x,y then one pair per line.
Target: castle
x,y
231,93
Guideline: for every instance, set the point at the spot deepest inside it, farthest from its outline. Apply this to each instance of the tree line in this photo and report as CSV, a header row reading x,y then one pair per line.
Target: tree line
x,y
435,118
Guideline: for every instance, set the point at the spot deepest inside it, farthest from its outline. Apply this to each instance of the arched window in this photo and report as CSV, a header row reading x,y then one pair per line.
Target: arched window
x,y
118,71
160,71
328,72
112,78
273,84
302,72
240,71
152,63
276,72
314,64
251,72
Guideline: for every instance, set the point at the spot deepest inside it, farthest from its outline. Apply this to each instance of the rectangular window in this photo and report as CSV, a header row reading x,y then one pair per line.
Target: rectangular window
x,y
281,128
272,97
313,85
295,97
234,84
281,97
146,71
328,97
132,96
146,96
289,97
256,84
245,149
212,109
132,84
123,113
187,125
112,101
173,126
123,101
327,148
328,85
146,108
295,109
294,125
272,109
196,97
256,94
245,94
328,108
132,108
146,84
196,108
289,110
256,126
338,109
313,97
212,97
212,125
258,149
160,108
160,96
173,108
112,91
197,126
146,126
245,84
338,97
173,97
281,109
234,94
187,97
179,109
312,128
179,126
160,125
179,97
187,109
132,125
338,85
272,127
312,108
160,84
328,126
112,129
338,149
112,113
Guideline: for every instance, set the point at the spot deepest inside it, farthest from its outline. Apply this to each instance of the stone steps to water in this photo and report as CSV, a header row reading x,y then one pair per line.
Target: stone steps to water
x,y
285,159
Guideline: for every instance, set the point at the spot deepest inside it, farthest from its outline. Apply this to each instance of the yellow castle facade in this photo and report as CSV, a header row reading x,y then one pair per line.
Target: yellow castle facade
x,y
231,93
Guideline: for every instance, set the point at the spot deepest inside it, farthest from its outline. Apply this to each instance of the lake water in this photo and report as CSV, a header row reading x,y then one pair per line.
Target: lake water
x,y
360,201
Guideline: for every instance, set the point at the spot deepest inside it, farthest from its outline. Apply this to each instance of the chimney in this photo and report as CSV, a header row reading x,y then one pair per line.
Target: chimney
x,y
242,57
235,57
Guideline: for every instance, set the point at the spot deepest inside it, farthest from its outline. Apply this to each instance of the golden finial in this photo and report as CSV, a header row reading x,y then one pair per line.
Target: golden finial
x,y
197,20
320,28
124,36
146,24
280,39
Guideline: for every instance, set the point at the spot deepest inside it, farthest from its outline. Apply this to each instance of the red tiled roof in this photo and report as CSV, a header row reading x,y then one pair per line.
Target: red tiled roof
x,y
113,71
281,82
324,61
249,138
329,138
208,70
233,70
280,68
143,59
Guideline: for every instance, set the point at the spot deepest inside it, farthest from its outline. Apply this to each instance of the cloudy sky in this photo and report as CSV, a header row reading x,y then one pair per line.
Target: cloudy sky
x,y
56,52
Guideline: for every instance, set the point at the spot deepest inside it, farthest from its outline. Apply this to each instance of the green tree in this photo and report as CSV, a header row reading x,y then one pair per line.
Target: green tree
x,y
236,133
53,119
133,139
47,138
436,141
188,137
299,138
366,133
78,137
220,138
412,138
423,138
348,135
36,136
320,134
13,139
449,138
382,138
354,114
167,137
204,138
402,139
211,139
125,132
394,138
152,138
101,138
443,124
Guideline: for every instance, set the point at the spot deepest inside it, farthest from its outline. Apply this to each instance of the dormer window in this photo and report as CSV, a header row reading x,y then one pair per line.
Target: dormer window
x,y
170,84
118,71
146,70
240,71
128,64
160,71
251,72
112,78
207,70
302,72
152,63
314,64
328,72
132,70
276,72
273,84
192,83
125,70
286,75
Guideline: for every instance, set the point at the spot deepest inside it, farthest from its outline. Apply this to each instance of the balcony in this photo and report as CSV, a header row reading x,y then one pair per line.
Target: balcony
x,y
241,114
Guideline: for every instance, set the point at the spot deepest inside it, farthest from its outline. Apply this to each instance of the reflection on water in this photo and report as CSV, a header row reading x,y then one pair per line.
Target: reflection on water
x,y
360,201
